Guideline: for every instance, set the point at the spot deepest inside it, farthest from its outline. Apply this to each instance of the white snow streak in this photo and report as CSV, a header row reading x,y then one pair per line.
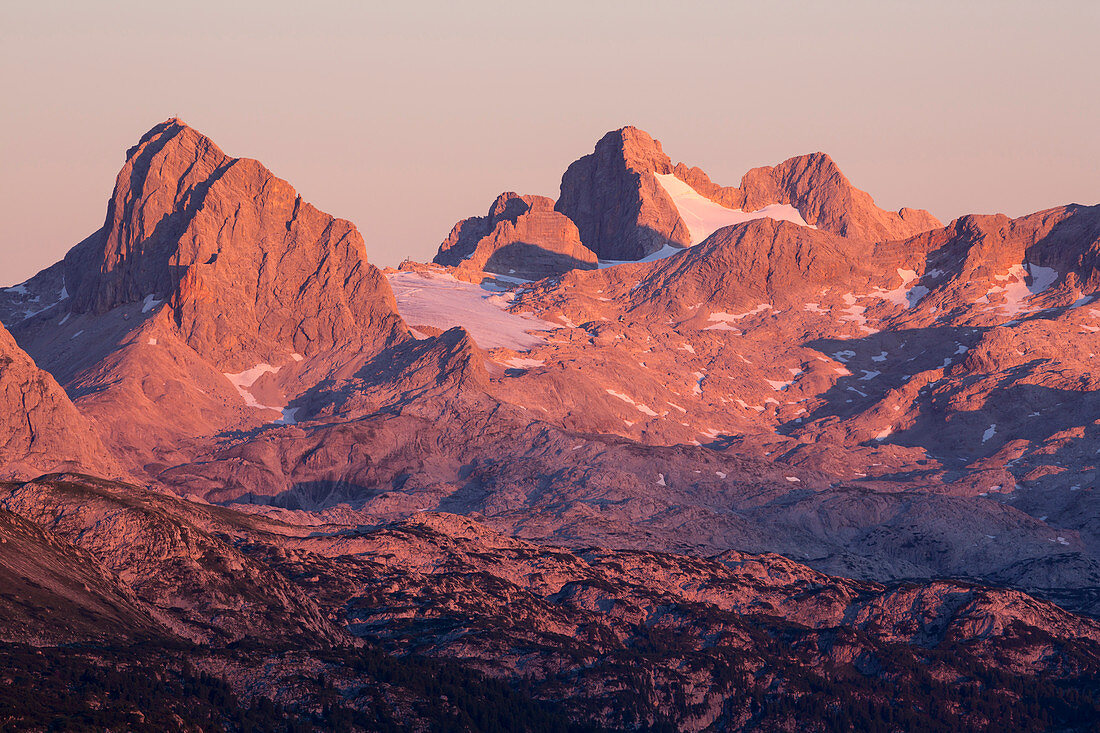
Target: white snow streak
x,y
703,217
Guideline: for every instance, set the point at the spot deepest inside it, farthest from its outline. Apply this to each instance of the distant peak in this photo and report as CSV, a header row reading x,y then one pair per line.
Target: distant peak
x,y
637,148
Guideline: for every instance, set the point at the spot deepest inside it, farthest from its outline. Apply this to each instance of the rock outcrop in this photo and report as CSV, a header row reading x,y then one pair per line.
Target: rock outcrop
x,y
40,429
521,236
619,208
824,196
250,270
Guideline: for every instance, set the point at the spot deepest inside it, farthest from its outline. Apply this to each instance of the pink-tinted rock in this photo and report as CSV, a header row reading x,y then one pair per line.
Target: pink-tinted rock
x,y
619,208
40,429
521,236
250,269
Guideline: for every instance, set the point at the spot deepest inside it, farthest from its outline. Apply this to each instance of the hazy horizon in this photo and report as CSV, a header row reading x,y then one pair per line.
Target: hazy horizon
x,y
407,119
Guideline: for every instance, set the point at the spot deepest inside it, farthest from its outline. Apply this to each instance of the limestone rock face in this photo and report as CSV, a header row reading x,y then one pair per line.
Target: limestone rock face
x,y
854,403
623,213
619,208
200,306
521,236
823,195
40,429
249,268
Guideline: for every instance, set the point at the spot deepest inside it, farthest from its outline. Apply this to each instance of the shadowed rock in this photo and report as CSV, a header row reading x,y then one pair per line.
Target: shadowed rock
x,y
521,236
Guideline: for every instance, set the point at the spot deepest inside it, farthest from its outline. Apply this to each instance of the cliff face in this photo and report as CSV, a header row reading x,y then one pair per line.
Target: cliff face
x,y
249,269
40,429
621,211
521,236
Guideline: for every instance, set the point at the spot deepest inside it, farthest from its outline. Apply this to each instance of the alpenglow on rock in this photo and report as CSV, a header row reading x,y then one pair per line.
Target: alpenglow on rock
x,y
521,236
40,429
623,213
248,268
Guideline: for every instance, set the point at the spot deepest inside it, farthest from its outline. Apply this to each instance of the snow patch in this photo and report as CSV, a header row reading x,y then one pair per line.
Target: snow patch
x,y
1017,290
723,316
989,432
443,302
150,303
899,296
289,417
703,217
638,406
520,362
243,382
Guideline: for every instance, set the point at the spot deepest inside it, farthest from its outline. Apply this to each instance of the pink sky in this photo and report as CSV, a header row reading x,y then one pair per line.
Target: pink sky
x,y
407,117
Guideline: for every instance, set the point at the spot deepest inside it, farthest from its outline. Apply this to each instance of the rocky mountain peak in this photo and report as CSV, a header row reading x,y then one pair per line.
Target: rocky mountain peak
x,y
158,191
247,267
620,209
637,148
521,236
827,199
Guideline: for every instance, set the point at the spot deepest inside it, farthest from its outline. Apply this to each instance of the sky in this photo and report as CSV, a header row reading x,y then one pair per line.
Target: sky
x,y
405,117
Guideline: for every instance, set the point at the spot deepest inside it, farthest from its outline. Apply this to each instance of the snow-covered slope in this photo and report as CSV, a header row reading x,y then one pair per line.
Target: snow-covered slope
x,y
441,301
703,217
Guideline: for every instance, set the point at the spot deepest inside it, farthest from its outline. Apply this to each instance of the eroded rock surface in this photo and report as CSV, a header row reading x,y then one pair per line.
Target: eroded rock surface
x,y
521,237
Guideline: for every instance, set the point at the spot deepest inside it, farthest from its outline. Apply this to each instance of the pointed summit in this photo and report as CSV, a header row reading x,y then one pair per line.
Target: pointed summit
x,y
248,268
626,204
619,208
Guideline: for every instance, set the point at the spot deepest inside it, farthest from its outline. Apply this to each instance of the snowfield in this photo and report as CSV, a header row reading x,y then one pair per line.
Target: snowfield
x,y
441,301
704,217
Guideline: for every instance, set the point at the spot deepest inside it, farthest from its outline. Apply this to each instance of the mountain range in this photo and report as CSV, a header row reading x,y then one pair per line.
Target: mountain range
x,y
657,454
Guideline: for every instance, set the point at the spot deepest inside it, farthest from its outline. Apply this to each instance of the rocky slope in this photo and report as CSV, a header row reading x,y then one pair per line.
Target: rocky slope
x,y
616,638
199,306
881,399
859,405
40,429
